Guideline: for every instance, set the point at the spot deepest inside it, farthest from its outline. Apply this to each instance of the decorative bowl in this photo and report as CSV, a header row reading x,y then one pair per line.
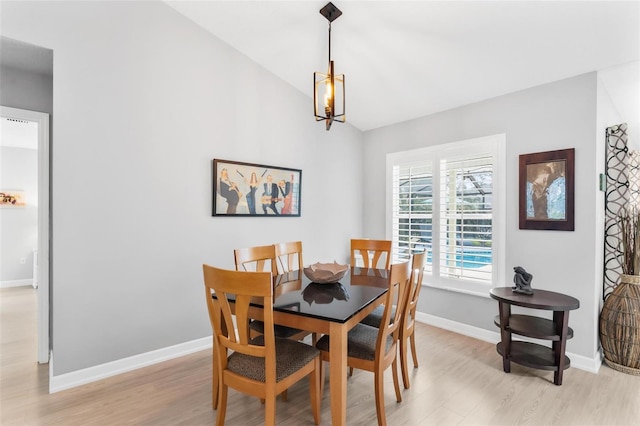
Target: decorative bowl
x,y
324,273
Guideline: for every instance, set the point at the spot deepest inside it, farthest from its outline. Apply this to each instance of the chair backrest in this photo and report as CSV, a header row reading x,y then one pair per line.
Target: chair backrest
x,y
289,281
396,296
256,259
371,251
244,287
289,256
418,261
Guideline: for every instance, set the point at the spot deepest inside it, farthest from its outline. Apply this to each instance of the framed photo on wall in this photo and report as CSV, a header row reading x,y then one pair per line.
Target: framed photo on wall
x,y
12,198
546,198
246,189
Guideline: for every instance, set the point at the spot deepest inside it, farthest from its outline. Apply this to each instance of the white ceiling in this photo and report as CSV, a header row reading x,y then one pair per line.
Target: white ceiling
x,y
407,59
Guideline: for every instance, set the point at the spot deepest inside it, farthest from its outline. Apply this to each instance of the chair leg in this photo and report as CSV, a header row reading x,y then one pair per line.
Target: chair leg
x,y
314,390
379,389
270,411
214,384
403,363
413,350
396,383
350,371
222,404
322,378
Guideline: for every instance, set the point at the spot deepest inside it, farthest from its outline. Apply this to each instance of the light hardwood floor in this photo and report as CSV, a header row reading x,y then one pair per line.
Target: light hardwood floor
x,y
459,382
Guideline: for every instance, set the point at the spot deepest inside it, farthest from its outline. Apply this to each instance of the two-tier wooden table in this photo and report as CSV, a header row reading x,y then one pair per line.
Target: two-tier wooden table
x,y
557,330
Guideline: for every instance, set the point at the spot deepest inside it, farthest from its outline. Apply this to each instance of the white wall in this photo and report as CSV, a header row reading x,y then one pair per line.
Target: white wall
x,y
18,226
143,101
554,116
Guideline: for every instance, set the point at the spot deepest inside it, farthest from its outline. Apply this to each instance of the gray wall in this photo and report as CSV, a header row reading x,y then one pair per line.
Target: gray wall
x,y
26,90
18,226
144,100
554,116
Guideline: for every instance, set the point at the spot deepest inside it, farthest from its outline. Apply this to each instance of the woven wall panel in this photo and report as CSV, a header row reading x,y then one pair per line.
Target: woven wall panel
x,y
617,195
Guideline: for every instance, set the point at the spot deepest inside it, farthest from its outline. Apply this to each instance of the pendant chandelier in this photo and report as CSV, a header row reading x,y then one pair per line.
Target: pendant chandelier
x,y
328,89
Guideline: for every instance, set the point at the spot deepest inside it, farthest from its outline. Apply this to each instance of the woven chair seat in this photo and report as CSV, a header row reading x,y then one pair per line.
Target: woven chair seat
x,y
374,318
279,330
290,357
361,342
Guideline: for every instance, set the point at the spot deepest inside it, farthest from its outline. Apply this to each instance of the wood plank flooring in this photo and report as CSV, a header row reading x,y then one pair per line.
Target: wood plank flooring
x,y
459,382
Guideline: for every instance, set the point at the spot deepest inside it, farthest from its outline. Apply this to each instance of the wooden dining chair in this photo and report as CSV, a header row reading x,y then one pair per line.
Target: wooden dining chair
x,y
289,257
257,259
407,327
375,349
264,366
371,251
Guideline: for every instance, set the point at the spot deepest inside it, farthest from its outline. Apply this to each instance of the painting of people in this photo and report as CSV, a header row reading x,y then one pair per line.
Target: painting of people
x,y
246,189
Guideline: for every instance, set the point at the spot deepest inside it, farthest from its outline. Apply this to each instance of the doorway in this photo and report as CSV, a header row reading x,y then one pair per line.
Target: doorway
x,y
38,122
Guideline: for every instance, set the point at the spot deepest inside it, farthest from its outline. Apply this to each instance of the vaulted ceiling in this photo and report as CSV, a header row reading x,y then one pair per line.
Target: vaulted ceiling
x,y
407,59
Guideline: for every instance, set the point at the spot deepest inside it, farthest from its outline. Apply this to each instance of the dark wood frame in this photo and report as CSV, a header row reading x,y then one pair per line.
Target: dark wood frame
x,y
568,157
240,174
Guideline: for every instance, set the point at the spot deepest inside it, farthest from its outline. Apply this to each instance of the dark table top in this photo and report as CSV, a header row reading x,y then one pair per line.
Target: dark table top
x,y
295,293
540,299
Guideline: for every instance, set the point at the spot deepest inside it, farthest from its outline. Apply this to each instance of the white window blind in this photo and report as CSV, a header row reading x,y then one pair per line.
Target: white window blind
x,y
413,210
447,201
466,217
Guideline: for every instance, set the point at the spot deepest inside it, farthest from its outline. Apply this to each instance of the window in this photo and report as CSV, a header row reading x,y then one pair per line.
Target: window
x,y
447,200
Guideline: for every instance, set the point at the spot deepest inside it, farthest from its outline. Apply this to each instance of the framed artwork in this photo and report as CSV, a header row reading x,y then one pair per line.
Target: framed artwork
x,y
245,189
546,199
12,199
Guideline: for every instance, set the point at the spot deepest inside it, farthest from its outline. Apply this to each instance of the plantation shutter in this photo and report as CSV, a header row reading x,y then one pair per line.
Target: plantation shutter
x,y
412,210
465,234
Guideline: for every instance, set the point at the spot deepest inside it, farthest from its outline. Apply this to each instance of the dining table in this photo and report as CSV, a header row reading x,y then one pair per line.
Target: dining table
x,y
328,308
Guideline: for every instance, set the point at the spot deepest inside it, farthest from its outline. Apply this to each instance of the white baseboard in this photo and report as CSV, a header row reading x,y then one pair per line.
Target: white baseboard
x,y
109,369
592,365
16,283
102,371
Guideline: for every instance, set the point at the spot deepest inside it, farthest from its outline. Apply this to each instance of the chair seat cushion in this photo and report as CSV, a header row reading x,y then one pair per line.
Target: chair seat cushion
x,y
291,356
361,342
279,330
374,318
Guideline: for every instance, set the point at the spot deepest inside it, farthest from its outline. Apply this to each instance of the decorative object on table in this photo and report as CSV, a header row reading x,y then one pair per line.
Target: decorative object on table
x,y
328,89
326,272
324,293
546,196
522,280
12,198
245,189
620,315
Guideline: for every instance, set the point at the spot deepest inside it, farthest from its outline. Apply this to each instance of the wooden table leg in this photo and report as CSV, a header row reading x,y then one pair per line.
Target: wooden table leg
x,y
561,320
338,373
505,335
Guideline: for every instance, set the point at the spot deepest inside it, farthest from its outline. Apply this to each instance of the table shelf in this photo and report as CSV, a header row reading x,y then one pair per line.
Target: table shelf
x,y
530,326
533,355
